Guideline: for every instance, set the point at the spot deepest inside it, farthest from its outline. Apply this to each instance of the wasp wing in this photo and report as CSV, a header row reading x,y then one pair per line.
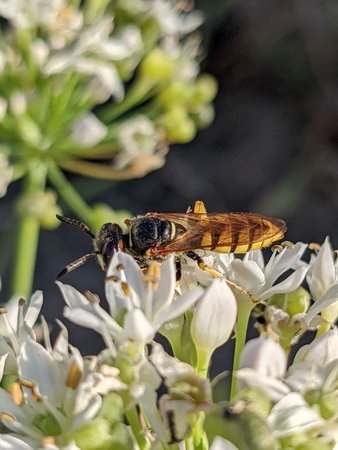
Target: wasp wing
x,y
221,232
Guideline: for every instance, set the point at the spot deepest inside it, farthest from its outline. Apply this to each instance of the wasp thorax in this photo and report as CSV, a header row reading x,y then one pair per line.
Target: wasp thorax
x,y
149,232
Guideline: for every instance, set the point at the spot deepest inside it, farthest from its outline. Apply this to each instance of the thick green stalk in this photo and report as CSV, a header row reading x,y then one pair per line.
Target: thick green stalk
x,y
70,195
27,235
245,307
134,422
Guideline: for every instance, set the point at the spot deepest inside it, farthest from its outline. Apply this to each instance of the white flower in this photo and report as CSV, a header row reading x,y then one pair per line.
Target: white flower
x,y
93,53
250,273
323,272
53,391
293,415
171,22
263,366
260,279
220,443
322,279
322,350
88,130
138,138
213,319
265,356
144,302
16,326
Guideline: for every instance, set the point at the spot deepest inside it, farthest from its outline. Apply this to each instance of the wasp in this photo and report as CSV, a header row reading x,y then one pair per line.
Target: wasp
x,y
155,236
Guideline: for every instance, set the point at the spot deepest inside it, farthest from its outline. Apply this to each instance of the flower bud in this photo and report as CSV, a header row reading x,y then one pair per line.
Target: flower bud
x,y
157,66
322,349
264,355
178,126
177,93
40,205
205,90
103,213
213,320
295,302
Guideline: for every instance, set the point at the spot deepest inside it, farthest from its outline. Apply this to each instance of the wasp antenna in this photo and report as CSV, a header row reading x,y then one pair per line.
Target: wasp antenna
x,y
76,224
75,264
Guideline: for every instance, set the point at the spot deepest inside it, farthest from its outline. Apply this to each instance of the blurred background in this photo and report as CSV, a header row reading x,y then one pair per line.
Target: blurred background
x,y
272,147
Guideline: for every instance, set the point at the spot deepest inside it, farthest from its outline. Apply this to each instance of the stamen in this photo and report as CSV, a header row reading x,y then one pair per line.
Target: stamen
x,y
48,440
7,417
74,376
16,393
152,275
33,388
120,266
125,288
113,278
91,297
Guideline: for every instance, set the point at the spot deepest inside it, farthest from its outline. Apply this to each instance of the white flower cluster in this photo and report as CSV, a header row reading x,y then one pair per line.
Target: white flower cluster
x,y
91,80
134,395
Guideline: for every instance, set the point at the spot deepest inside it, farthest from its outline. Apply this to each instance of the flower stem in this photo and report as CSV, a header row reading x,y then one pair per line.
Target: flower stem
x,y
244,309
138,93
69,194
28,236
134,422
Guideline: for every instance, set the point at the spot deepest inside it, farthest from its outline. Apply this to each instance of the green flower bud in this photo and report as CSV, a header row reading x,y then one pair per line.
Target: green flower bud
x,y
126,367
204,116
177,125
314,444
257,399
94,436
103,213
112,408
42,206
295,302
205,90
157,66
47,424
328,406
177,93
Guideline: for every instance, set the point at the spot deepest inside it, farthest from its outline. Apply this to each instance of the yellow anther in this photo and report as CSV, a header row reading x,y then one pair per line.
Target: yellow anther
x,y
48,440
113,278
16,393
126,289
91,297
33,388
74,376
7,417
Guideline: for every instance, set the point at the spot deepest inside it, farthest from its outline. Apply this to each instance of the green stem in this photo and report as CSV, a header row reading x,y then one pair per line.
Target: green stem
x,y
28,236
134,422
244,309
199,435
138,93
70,195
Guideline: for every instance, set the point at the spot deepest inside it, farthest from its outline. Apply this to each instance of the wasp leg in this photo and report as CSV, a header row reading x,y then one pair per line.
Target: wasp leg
x,y
201,264
76,224
215,274
77,263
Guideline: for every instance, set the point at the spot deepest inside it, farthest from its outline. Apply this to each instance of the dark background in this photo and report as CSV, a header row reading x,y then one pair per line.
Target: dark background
x,y
271,149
